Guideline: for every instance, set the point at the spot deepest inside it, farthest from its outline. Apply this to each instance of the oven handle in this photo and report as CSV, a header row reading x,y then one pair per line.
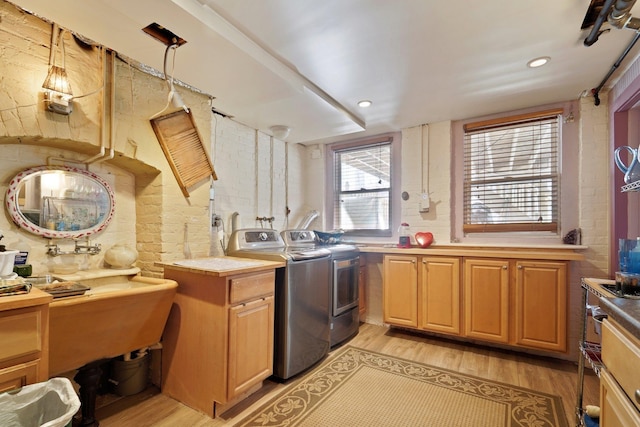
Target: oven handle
x,y
346,263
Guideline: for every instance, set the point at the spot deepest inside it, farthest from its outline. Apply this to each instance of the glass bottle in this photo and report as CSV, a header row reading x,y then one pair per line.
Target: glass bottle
x,y
404,239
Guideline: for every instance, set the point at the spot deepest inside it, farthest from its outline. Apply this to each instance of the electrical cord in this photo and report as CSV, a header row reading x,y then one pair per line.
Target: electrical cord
x,y
173,95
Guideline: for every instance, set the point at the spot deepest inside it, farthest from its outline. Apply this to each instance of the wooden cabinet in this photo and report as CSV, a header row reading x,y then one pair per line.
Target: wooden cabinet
x,y
541,305
615,407
218,342
250,344
24,334
517,302
439,294
619,378
486,299
400,290
422,292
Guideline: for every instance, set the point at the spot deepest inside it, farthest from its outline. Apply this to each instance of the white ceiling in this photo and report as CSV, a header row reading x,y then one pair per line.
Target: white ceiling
x,y
419,61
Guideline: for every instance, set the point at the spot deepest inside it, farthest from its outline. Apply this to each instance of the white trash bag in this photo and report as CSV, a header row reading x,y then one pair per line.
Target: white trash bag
x,y
51,403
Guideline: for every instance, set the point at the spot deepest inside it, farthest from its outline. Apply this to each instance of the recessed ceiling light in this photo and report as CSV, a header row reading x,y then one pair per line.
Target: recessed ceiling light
x,y
364,103
538,62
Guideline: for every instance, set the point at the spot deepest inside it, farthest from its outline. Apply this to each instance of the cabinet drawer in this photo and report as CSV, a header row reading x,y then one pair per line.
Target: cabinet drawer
x,y
20,333
252,286
14,377
621,356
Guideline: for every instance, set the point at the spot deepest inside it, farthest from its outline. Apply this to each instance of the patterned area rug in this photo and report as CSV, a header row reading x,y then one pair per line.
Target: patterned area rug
x,y
357,387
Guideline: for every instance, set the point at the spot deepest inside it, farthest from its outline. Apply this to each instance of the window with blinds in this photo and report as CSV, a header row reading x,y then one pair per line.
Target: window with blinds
x,y
511,174
362,179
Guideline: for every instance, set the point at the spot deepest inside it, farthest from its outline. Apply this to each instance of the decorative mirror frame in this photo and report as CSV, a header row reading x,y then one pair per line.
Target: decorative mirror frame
x,y
12,204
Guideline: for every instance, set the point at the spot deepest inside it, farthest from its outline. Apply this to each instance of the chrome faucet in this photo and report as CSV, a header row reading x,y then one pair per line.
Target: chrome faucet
x,y
53,250
80,249
87,248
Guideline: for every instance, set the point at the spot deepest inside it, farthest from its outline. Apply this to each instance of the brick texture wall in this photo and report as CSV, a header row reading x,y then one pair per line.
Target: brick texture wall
x,y
257,176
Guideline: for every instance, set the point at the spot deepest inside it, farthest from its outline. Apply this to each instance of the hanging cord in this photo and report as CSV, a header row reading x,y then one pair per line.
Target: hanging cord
x,y
271,178
169,79
286,185
64,52
101,87
64,65
256,172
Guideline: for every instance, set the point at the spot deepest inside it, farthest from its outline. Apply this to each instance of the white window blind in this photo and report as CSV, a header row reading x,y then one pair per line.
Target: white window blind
x,y
363,188
511,180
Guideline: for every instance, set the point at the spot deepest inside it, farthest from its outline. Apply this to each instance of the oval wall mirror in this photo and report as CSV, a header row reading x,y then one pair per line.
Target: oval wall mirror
x,y
60,202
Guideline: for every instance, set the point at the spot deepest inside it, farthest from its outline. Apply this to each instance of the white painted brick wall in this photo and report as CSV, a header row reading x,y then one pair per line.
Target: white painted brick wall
x,y
252,175
594,166
315,187
436,138
151,208
18,157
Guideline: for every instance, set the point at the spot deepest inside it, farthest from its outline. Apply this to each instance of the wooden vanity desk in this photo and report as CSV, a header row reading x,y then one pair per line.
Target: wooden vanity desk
x,y
24,334
218,341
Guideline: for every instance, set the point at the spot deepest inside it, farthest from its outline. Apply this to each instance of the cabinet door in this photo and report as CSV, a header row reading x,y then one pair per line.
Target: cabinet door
x,y
400,290
486,299
615,408
250,344
440,294
541,305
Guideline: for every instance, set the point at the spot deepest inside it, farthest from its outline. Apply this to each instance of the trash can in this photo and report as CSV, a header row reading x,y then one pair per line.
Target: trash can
x,y
52,403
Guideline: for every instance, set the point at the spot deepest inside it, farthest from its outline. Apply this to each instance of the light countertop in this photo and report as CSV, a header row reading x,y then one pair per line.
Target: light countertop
x,y
221,266
34,297
546,252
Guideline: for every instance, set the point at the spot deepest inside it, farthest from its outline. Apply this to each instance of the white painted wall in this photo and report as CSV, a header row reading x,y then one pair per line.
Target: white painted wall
x,y
432,143
258,176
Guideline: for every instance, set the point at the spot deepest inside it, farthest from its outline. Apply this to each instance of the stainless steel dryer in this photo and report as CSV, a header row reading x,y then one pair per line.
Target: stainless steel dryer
x,y
344,276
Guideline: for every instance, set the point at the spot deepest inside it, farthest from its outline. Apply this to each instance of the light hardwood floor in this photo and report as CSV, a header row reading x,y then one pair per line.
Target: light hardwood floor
x,y
151,408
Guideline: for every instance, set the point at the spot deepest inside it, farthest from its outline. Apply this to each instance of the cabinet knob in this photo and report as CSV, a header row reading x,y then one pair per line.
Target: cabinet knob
x,y
413,261
504,267
637,395
424,262
519,267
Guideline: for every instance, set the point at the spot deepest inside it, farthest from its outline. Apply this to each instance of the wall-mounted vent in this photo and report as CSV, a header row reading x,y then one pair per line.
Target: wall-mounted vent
x,y
163,35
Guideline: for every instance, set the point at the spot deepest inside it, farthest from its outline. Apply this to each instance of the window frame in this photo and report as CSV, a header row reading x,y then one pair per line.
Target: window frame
x,y
568,171
394,203
504,124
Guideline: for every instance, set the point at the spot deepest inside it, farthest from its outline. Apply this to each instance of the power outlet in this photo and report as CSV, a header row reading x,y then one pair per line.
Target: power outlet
x,y
424,203
216,221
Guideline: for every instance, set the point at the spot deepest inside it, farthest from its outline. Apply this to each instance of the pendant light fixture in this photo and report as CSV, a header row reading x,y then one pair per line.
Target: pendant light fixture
x,y
57,89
